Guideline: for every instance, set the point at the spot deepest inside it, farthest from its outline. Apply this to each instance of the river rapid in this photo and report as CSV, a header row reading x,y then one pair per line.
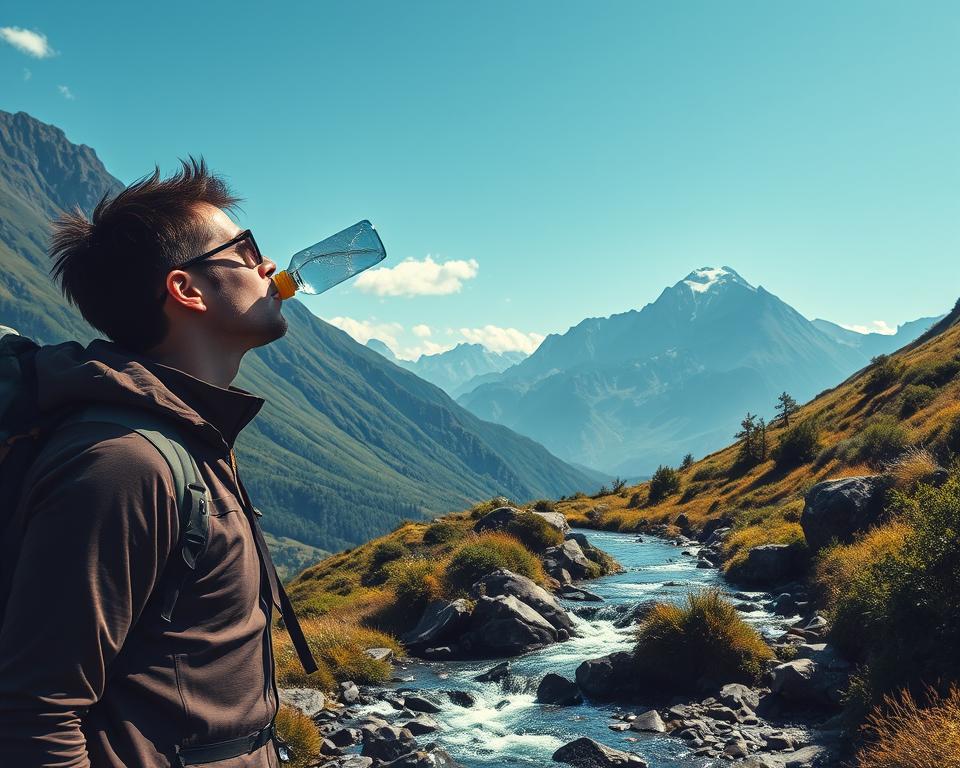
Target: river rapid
x,y
507,727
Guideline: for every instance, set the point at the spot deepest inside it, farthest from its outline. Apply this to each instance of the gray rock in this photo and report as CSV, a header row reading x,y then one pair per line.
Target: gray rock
x,y
607,677
344,737
587,753
810,757
760,761
310,701
804,680
462,698
570,557
350,761
380,654
556,689
569,592
349,692
500,518
737,695
387,742
495,674
837,509
504,582
505,626
770,564
421,725
422,704
441,619
649,721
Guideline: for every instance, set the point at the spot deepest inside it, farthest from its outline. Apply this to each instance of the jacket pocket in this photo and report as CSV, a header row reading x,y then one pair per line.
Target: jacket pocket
x,y
180,670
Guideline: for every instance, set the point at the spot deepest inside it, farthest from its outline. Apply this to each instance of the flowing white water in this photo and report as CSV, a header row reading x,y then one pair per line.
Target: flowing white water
x,y
507,727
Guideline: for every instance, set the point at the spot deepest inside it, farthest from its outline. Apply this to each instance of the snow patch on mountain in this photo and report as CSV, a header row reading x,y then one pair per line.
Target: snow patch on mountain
x,y
703,279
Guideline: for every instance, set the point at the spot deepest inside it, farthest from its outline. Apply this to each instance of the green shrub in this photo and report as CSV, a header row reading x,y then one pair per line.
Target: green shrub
x,y
900,615
385,551
880,441
933,374
544,505
665,482
442,532
915,397
884,372
708,472
798,444
477,557
534,532
698,646
415,581
951,439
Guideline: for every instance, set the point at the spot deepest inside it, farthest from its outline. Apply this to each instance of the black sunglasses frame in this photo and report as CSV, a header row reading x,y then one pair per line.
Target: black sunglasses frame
x,y
245,235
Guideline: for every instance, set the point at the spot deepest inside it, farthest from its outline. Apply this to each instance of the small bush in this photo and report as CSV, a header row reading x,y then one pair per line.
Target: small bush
x,y
544,505
701,644
879,442
915,397
838,565
951,439
636,500
534,532
904,734
665,482
798,444
884,373
756,527
933,374
442,532
687,461
300,735
385,551
708,472
474,559
415,581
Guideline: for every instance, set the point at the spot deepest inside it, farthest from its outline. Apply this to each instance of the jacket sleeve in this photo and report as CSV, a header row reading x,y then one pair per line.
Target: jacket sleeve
x,y
102,524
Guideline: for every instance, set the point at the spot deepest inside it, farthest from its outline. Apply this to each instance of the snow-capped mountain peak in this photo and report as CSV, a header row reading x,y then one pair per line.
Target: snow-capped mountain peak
x,y
706,278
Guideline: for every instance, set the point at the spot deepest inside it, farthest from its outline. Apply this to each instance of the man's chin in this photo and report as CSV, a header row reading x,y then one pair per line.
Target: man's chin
x,y
276,330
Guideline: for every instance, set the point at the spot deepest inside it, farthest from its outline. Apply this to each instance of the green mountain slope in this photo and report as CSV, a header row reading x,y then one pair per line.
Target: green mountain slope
x,y
348,443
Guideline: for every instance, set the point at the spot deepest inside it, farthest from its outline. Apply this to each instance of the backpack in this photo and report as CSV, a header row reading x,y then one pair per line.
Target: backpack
x,y
24,431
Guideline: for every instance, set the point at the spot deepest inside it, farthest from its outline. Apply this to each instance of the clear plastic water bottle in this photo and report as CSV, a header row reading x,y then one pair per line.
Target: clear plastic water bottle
x,y
331,261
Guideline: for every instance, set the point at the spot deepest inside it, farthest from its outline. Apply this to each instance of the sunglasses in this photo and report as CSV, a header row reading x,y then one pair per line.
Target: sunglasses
x,y
246,246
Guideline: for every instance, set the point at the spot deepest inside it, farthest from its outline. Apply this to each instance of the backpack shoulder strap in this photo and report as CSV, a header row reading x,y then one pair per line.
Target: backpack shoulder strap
x,y
191,493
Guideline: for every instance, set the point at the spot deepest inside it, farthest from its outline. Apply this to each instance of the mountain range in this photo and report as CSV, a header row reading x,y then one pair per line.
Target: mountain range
x,y
456,371
347,445
628,392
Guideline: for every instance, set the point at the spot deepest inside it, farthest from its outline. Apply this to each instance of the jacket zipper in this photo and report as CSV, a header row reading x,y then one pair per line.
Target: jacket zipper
x,y
270,683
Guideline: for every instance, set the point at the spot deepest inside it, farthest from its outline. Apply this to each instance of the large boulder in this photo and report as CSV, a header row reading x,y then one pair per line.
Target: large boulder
x,y
607,677
441,619
805,681
587,753
570,558
769,564
504,582
837,509
504,626
310,701
500,518
556,689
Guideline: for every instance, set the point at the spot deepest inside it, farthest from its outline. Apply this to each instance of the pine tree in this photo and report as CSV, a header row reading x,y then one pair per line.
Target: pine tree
x,y
760,441
687,461
748,428
786,407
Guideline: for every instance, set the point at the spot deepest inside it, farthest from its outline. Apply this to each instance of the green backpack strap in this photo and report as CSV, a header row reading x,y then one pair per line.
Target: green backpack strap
x,y
191,492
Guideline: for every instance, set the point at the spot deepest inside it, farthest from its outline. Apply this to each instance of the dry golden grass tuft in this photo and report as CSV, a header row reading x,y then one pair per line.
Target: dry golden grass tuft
x,y
904,734
485,553
914,466
301,735
838,565
339,647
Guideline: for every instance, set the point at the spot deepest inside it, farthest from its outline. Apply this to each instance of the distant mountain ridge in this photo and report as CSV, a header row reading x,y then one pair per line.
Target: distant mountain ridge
x,y
347,445
636,389
457,370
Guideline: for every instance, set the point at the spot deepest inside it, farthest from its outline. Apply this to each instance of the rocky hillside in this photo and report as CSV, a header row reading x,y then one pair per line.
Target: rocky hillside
x,y
348,443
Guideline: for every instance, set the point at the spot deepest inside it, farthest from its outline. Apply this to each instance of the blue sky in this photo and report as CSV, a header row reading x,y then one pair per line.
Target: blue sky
x,y
531,164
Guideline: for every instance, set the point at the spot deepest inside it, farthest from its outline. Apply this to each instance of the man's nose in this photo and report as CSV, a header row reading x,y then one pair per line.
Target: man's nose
x,y
268,267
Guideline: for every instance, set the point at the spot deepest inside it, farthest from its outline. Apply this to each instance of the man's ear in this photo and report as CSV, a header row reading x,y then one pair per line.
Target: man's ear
x,y
184,290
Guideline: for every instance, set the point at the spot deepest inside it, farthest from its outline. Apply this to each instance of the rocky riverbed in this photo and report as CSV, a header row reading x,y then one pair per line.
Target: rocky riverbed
x,y
548,703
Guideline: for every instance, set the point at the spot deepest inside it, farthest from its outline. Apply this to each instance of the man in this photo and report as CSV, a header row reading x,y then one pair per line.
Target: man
x,y
91,673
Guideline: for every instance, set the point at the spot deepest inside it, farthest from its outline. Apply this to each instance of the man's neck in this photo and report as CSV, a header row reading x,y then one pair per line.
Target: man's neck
x,y
218,367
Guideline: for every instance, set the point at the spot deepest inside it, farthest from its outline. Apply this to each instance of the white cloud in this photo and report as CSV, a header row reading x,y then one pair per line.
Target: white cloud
x,y
31,43
875,326
418,278
424,348
422,331
65,92
503,339
364,330
27,74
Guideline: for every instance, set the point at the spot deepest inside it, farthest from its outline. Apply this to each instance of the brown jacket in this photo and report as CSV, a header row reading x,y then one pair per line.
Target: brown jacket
x,y
90,674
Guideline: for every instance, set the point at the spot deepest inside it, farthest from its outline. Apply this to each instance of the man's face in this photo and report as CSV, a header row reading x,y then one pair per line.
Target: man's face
x,y
242,305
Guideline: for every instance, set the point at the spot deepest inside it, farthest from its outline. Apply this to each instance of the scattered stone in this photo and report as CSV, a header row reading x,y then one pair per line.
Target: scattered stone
x,y
568,592
308,700
570,558
737,695
778,742
349,692
505,626
440,619
329,749
649,721
350,761
387,742
422,704
430,757
441,653
720,712
422,724
619,727
344,737
606,677
501,704
380,654
505,582
556,689
587,753
462,698
495,674
770,564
